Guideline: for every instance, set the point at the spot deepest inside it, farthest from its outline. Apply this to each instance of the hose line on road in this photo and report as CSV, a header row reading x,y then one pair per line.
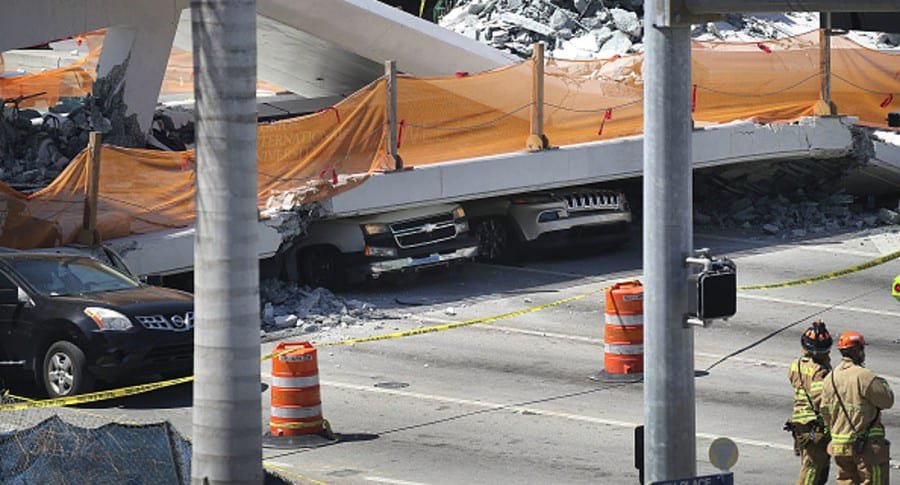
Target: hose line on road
x,y
786,327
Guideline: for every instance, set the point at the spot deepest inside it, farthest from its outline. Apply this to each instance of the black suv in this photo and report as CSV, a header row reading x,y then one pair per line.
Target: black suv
x,y
70,319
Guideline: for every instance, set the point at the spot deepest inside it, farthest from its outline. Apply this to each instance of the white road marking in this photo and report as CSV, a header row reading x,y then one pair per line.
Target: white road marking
x,y
771,299
536,411
392,481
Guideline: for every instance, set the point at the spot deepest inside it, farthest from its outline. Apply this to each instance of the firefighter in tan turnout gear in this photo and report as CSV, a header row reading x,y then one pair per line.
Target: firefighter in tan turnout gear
x,y
852,400
806,424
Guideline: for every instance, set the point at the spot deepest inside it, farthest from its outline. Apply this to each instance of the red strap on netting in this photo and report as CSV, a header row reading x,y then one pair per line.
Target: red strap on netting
x,y
337,113
186,161
693,98
324,175
606,116
400,133
763,47
887,101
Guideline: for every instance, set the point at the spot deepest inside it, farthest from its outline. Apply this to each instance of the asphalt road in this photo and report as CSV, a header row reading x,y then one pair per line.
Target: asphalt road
x,y
516,401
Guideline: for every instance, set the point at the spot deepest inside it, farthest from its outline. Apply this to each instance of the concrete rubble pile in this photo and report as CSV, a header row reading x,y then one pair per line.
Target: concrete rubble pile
x,y
788,199
287,305
572,29
35,148
600,29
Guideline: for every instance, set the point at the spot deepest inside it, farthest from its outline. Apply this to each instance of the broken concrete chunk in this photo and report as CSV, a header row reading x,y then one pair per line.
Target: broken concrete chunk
x,y
627,22
526,23
286,320
888,216
771,229
617,45
559,20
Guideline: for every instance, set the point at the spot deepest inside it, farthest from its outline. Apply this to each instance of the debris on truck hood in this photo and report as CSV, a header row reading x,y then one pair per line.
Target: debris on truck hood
x,y
288,308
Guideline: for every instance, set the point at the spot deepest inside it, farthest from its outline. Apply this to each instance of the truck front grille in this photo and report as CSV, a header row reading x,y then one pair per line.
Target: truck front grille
x,y
426,230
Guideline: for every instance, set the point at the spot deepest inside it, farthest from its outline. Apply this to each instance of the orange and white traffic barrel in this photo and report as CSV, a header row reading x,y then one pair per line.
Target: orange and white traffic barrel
x,y
623,333
296,402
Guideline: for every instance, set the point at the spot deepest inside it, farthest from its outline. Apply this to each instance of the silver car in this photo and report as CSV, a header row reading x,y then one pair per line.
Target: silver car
x,y
555,218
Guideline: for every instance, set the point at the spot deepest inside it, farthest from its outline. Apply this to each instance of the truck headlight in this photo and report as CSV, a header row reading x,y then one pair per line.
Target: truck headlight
x,y
108,319
373,229
459,212
380,252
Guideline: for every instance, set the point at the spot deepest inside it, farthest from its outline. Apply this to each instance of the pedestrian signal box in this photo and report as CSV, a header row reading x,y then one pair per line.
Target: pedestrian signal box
x,y
712,292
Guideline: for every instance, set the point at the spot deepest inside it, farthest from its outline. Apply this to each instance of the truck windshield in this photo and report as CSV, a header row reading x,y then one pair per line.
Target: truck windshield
x,y
70,276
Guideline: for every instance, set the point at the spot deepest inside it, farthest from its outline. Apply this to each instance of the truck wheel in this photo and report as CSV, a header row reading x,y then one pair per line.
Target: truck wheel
x,y
65,371
496,242
320,266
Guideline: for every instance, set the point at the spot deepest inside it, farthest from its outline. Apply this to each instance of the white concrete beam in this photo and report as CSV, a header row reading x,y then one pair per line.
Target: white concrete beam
x,y
512,173
380,32
303,64
29,22
147,47
137,28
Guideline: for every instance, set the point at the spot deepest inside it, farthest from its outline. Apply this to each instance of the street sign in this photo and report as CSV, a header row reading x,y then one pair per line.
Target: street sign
x,y
718,479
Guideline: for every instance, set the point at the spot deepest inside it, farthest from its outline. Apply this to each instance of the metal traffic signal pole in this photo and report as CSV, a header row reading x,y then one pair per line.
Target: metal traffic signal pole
x,y
669,442
669,404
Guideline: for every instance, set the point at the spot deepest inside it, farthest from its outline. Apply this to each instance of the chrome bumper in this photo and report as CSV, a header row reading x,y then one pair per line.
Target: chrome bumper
x,y
430,260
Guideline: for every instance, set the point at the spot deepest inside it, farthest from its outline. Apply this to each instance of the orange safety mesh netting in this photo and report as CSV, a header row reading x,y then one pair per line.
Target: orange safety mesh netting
x,y
44,89
444,119
143,191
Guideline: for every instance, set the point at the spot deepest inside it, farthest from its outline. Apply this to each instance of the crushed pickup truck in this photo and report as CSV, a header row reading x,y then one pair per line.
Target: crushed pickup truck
x,y
358,248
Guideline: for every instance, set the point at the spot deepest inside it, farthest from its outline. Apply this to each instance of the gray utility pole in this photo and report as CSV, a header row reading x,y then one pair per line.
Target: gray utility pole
x,y
227,422
669,406
669,442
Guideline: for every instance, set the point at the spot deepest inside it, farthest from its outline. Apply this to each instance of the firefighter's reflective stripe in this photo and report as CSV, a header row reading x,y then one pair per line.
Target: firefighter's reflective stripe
x,y
623,349
310,381
876,431
816,386
629,320
296,412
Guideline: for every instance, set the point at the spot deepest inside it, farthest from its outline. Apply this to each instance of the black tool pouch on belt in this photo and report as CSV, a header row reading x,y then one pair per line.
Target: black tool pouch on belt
x,y
859,444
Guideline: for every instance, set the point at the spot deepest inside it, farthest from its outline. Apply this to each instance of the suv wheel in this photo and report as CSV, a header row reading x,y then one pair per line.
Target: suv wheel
x,y
496,242
320,266
65,371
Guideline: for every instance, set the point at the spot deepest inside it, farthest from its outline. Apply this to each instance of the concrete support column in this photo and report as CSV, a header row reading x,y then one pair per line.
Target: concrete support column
x,y
147,46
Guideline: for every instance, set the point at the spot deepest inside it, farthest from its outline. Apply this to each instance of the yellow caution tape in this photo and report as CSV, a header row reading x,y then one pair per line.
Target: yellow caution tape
x,y
826,276
93,396
448,326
